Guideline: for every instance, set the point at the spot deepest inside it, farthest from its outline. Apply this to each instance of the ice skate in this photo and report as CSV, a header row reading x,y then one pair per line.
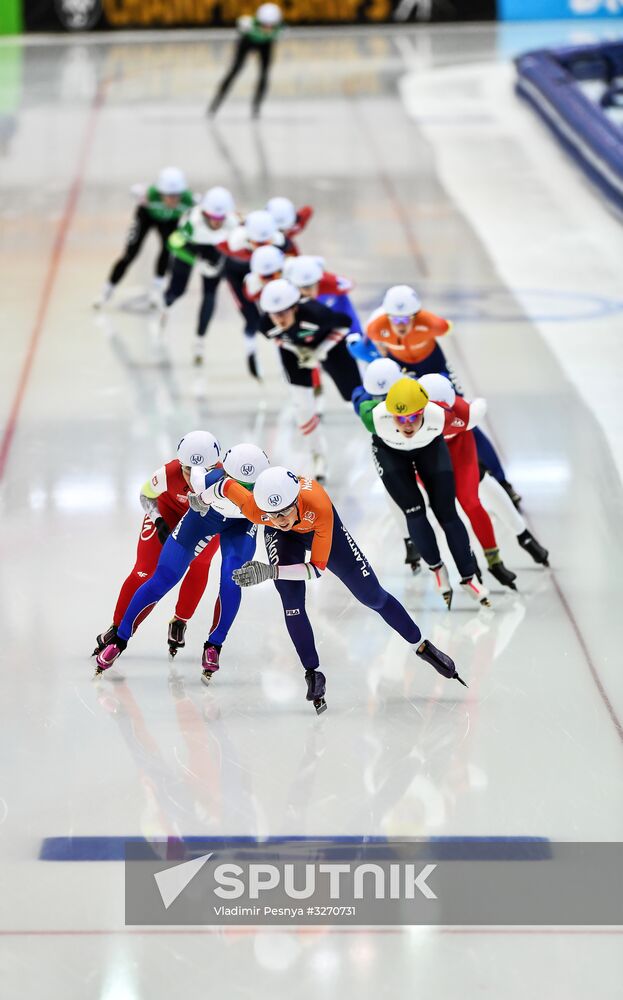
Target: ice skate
x,y
209,662
154,297
175,638
533,548
104,639
503,575
104,296
442,583
320,467
476,590
442,663
316,688
106,658
198,350
412,557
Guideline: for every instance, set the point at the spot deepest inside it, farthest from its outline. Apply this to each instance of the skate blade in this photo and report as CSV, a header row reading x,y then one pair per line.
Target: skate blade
x,y
448,598
415,568
98,673
460,680
206,678
172,652
320,705
485,603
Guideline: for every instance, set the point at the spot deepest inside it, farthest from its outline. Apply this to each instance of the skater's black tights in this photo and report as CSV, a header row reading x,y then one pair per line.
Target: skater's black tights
x,y
180,275
243,48
398,470
141,225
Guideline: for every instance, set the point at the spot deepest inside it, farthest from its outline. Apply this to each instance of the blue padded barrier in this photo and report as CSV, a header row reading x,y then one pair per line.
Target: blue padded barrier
x,y
548,80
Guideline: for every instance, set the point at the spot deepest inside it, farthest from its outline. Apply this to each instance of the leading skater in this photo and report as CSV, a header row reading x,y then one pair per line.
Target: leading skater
x,y
257,34
299,516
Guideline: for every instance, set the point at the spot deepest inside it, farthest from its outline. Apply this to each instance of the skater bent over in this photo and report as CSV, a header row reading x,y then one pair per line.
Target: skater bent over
x,y
160,207
299,517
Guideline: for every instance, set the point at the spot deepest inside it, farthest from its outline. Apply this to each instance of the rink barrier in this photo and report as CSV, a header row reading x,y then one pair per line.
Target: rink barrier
x,y
176,848
548,80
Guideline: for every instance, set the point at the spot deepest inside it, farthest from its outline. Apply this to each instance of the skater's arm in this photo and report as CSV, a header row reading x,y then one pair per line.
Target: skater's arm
x,y
242,498
434,325
178,245
152,489
366,411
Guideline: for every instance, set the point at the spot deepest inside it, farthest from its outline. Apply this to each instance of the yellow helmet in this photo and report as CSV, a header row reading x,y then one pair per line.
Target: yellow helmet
x,y
406,396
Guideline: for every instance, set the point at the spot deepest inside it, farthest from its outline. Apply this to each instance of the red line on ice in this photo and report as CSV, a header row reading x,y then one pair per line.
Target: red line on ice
x,y
50,278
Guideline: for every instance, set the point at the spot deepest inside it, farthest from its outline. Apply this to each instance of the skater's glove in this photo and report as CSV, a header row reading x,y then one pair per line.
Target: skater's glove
x,y
162,529
254,572
306,357
208,270
198,504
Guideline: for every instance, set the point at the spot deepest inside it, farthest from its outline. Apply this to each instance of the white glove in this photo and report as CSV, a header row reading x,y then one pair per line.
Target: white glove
x,y
209,270
306,357
254,572
197,503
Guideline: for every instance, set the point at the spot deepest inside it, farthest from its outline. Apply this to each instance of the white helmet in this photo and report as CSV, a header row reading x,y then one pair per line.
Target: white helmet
x,y
439,388
278,295
217,202
401,300
282,211
245,462
304,270
171,180
269,14
260,226
380,376
199,448
267,260
275,489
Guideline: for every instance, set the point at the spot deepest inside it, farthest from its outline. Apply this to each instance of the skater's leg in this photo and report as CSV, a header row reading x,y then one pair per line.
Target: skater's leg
x,y
397,474
342,368
195,582
462,450
147,554
208,302
178,282
141,225
497,501
237,547
165,229
188,540
288,549
350,565
488,455
243,48
435,468
265,53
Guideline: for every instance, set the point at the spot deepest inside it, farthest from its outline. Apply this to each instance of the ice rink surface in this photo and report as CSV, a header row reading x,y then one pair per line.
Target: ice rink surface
x,y
411,147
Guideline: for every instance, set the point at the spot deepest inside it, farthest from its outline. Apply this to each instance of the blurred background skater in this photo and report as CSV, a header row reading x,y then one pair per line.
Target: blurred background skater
x,y
195,242
257,34
160,207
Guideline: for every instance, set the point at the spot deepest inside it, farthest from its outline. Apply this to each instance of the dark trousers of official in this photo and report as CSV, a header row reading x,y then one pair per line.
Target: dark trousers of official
x,y
243,48
141,224
398,470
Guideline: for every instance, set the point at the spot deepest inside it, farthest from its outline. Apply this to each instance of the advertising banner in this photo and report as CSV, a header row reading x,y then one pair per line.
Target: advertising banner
x,y
110,15
558,10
